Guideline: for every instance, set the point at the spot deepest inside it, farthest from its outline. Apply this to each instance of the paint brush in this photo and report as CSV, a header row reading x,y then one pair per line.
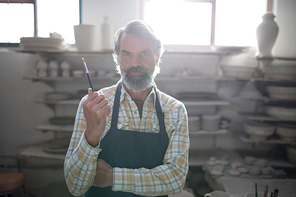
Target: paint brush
x,y
256,195
87,73
266,191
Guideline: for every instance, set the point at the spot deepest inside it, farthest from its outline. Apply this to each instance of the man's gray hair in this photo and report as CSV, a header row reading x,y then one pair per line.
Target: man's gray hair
x,y
138,28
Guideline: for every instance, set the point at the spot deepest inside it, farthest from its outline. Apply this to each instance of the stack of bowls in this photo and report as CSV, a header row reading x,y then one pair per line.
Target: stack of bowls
x,y
238,71
259,131
287,73
194,123
291,154
210,122
281,92
286,132
281,112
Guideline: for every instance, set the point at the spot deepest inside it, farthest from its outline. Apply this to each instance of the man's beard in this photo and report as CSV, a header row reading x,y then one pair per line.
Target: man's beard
x,y
138,83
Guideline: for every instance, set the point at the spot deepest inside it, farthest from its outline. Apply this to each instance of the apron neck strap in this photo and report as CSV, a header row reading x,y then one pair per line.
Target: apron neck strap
x,y
114,120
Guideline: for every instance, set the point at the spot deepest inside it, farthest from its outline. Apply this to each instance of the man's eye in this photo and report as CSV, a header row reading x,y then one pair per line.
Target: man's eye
x,y
146,53
125,53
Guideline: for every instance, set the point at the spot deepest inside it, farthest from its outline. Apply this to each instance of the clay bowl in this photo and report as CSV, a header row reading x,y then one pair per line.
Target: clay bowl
x,y
281,112
249,160
259,131
260,163
286,132
254,171
281,92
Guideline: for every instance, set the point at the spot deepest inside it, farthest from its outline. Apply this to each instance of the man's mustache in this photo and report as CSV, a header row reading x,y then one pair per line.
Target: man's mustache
x,y
136,69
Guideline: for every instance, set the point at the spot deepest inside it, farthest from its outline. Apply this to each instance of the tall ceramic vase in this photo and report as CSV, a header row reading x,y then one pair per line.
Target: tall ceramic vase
x,y
266,33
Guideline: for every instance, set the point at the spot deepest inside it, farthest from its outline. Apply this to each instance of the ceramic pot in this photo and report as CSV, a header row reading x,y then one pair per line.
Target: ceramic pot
x,y
266,33
85,37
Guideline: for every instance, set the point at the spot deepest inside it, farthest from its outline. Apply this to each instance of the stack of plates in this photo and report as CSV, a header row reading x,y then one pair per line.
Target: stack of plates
x,y
194,123
238,71
287,73
58,146
42,43
211,122
286,132
282,92
57,96
195,95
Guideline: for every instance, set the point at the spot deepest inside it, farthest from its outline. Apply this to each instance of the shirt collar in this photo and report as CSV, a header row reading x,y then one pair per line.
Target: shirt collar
x,y
125,95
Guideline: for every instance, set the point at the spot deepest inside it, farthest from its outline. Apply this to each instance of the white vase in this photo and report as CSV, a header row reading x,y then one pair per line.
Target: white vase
x,y
266,33
107,35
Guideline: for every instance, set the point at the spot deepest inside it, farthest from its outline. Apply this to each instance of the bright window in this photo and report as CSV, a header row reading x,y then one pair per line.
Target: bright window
x,y
189,22
52,16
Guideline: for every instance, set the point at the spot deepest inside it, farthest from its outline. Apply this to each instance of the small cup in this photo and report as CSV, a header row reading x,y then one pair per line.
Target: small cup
x,y
266,171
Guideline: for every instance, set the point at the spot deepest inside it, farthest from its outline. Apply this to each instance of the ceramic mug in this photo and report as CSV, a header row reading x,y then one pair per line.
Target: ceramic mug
x,y
217,194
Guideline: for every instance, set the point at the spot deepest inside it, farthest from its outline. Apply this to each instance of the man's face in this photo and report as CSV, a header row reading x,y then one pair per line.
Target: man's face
x,y
137,60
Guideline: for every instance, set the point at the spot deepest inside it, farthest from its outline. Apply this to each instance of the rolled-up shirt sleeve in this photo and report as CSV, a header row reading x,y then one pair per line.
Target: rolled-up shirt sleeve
x,y
81,158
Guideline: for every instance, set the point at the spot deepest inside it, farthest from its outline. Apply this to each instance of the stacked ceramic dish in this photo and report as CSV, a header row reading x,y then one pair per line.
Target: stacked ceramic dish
x,y
57,96
258,131
280,72
42,43
58,146
188,96
281,92
238,71
250,91
291,154
211,122
281,112
286,132
194,123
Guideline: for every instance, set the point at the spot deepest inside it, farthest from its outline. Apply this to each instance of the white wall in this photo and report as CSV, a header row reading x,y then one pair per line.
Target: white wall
x,y
285,45
20,113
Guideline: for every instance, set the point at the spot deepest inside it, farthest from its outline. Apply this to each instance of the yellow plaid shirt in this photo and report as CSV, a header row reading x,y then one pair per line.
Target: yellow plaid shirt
x,y
169,178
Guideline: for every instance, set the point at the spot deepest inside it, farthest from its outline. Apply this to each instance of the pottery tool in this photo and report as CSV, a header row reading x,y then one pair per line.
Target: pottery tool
x,y
87,73
265,191
256,195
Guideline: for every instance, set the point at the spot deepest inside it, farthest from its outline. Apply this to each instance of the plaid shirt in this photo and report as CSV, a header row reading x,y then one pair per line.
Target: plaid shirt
x,y
169,178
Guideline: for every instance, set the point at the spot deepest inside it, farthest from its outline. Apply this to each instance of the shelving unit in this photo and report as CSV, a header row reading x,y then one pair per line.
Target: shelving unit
x,y
55,81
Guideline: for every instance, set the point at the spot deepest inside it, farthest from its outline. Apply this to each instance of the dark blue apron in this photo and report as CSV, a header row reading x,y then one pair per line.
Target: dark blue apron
x,y
131,149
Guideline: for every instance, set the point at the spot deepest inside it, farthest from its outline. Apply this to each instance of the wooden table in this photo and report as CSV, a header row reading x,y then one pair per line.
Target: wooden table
x,y
238,187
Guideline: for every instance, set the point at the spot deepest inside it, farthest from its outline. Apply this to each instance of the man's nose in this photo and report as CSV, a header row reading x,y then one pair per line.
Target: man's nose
x,y
136,61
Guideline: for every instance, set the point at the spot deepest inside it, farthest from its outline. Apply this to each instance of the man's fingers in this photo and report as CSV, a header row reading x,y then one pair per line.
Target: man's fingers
x,y
89,91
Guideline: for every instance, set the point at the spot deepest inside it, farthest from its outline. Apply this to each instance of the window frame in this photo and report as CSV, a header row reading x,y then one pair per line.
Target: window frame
x,y
269,8
34,2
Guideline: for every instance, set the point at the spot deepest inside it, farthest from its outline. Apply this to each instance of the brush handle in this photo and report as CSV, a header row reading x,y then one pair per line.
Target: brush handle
x,y
90,83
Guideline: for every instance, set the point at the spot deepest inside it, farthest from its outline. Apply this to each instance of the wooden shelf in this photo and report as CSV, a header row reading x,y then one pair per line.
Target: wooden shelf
x,y
35,78
265,99
55,128
206,103
63,102
270,140
201,132
262,117
37,151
